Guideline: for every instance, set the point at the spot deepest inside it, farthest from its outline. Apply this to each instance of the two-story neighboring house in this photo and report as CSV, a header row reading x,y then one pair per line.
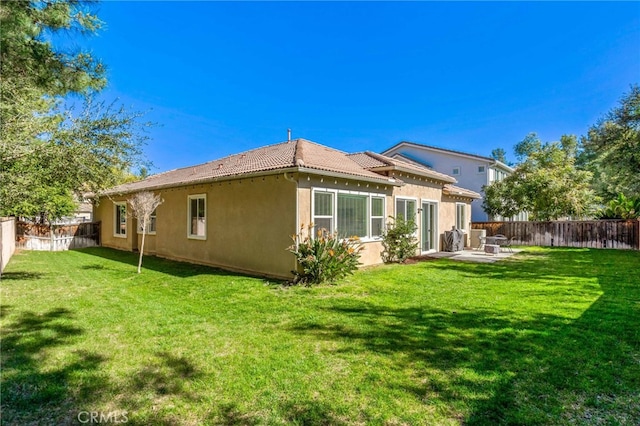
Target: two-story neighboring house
x,y
470,170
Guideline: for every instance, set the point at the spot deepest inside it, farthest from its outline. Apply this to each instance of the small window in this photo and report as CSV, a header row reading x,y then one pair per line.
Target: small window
x,y
461,216
377,216
406,209
323,211
456,171
197,216
496,175
151,225
481,169
120,220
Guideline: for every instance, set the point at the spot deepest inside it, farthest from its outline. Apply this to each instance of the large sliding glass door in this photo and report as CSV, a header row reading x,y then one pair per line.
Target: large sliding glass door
x,y
429,228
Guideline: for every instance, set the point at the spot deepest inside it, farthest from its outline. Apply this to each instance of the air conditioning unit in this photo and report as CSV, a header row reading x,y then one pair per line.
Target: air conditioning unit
x,y
453,240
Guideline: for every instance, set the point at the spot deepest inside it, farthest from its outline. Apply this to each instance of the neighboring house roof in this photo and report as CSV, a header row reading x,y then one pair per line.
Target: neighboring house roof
x,y
490,160
295,155
84,207
461,192
378,162
406,158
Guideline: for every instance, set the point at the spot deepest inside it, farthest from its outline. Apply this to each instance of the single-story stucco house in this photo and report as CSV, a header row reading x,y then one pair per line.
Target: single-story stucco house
x,y
239,212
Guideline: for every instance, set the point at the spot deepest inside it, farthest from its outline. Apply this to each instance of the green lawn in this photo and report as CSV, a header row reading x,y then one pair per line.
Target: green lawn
x,y
550,336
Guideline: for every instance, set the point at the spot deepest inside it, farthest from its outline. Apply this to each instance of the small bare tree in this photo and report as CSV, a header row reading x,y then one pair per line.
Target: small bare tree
x,y
143,204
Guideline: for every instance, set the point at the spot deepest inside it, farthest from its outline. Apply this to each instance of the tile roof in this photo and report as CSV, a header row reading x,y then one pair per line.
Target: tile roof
x,y
373,162
320,157
295,154
462,192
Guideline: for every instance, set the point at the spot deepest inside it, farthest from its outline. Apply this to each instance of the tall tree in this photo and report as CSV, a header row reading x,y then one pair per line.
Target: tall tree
x,y
546,183
611,149
499,154
143,204
49,152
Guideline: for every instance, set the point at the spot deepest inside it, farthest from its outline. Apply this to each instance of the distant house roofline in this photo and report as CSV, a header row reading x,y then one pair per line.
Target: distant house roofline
x,y
490,160
298,155
294,156
397,164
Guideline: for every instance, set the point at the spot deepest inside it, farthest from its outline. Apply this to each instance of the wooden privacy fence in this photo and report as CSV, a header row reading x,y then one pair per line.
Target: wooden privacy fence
x,y
617,234
30,236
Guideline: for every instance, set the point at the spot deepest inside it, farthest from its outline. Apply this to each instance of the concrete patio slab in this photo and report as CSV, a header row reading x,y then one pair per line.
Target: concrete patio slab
x,y
472,255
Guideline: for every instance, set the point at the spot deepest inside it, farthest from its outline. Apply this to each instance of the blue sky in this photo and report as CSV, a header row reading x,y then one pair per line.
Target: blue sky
x,y
221,78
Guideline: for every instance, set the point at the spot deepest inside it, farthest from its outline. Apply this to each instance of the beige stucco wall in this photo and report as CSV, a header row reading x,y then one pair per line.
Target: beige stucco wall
x,y
249,226
417,188
105,213
250,221
370,254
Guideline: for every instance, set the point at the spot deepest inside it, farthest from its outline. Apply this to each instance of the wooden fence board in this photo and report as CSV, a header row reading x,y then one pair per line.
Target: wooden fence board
x,y
31,236
616,234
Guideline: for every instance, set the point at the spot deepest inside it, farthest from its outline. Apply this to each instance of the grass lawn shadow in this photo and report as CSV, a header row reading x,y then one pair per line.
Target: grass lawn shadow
x,y
153,263
21,276
545,337
28,390
510,369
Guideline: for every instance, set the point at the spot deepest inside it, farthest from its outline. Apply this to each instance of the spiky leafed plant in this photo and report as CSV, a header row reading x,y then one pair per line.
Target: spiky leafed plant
x,y
621,208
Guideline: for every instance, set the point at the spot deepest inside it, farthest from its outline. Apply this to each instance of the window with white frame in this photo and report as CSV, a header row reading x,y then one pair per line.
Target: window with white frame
x,y
349,213
461,216
496,175
377,216
481,169
151,224
353,215
197,216
323,210
120,219
456,171
406,208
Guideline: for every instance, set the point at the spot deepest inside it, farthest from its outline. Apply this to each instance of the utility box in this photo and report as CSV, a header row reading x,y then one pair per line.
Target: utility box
x,y
453,240
475,235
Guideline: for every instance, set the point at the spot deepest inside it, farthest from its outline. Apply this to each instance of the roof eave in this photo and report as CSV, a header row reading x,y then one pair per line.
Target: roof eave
x,y
443,150
329,173
413,172
465,193
381,180
204,181
461,195
503,165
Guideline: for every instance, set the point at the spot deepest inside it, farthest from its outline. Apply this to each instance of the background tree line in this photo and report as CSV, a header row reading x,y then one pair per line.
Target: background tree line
x,y
56,142
595,176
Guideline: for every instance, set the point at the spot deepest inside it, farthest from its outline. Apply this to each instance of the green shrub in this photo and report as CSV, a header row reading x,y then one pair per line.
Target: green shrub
x,y
324,257
620,208
399,240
